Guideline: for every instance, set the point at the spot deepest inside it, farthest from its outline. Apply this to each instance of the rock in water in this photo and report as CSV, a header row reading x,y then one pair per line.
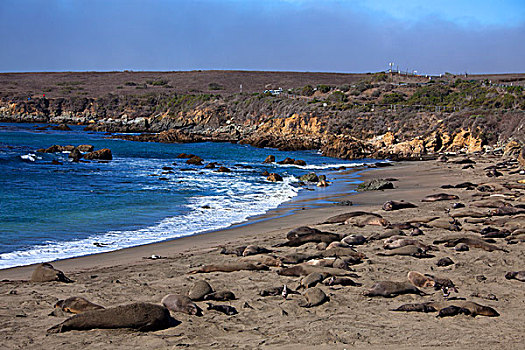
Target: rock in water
x,y
101,154
139,316
47,273
310,177
75,155
274,177
269,159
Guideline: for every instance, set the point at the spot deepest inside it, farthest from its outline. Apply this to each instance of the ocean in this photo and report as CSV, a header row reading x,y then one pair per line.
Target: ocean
x,y
144,195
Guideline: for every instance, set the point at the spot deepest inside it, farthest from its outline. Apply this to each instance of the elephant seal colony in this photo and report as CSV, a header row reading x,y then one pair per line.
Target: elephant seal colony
x,y
441,253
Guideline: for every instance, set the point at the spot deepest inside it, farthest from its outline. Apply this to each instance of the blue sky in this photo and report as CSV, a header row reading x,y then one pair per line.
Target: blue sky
x,y
431,36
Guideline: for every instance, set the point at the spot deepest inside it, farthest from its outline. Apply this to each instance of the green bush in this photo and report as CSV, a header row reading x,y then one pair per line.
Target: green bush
x,y
215,86
307,90
393,98
338,96
324,88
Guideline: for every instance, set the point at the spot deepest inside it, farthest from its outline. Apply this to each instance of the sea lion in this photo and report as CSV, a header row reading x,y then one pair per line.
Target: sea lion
x,y
180,303
313,279
339,219
225,309
230,267
439,197
314,297
408,250
390,289
473,309
220,296
139,316
76,305
343,281
420,280
304,270
517,275
199,290
47,273
396,205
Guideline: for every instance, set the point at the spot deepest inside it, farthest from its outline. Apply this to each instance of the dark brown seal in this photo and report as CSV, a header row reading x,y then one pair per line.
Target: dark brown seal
x,y
517,275
47,273
339,219
304,234
396,205
314,297
139,316
220,296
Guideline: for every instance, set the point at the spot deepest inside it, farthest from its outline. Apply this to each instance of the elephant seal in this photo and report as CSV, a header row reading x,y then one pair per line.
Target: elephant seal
x,y
305,234
420,280
254,250
390,289
439,197
446,261
230,267
517,275
313,279
76,305
343,281
47,273
276,291
314,297
361,221
400,241
263,259
225,309
471,241
396,205
408,250
233,251
180,303
339,219
199,290
297,258
220,296
354,239
139,316
451,308
304,270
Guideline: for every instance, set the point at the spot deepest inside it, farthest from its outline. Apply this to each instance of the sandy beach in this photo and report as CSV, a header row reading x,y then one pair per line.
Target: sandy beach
x,y
348,319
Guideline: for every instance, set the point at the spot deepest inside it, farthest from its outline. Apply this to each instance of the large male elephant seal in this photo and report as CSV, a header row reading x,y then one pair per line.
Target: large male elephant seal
x,y
47,273
139,316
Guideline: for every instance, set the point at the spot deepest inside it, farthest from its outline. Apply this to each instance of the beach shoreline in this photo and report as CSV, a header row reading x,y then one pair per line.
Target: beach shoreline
x,y
349,318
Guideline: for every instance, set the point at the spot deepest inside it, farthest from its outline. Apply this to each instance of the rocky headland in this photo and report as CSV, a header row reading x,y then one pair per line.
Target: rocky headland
x,y
343,115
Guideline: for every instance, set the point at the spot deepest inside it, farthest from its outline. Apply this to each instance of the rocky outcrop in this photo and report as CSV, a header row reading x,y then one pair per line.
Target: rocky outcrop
x,y
101,154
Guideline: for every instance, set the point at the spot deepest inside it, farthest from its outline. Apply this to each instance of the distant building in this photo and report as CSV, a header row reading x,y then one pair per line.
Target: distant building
x,y
274,92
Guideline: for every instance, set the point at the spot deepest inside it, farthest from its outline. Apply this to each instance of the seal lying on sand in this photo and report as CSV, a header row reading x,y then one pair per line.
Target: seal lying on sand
x,y
76,305
305,234
396,205
314,296
339,219
225,309
230,267
139,316
180,303
199,290
47,273
439,197
471,241
390,289
276,291
304,270
517,275
343,281
220,296
408,250
474,309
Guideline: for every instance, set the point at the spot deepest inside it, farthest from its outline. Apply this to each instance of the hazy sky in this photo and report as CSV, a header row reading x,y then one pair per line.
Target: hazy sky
x,y
430,36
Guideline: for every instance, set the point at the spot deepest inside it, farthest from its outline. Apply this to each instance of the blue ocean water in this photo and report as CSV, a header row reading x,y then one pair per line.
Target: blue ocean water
x,y
50,212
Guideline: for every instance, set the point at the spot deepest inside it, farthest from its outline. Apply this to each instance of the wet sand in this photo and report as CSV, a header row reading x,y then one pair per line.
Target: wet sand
x,y
348,320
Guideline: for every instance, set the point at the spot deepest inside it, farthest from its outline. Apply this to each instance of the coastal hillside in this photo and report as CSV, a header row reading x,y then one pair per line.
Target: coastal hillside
x,y
350,116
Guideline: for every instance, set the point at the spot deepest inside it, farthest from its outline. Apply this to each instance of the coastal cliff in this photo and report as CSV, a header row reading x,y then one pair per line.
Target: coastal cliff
x,y
373,117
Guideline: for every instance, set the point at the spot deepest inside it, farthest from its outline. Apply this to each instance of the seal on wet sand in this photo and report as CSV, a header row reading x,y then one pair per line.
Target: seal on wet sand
x,y
439,197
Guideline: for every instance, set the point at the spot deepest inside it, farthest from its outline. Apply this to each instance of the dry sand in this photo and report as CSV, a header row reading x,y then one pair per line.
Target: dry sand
x,y
348,320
